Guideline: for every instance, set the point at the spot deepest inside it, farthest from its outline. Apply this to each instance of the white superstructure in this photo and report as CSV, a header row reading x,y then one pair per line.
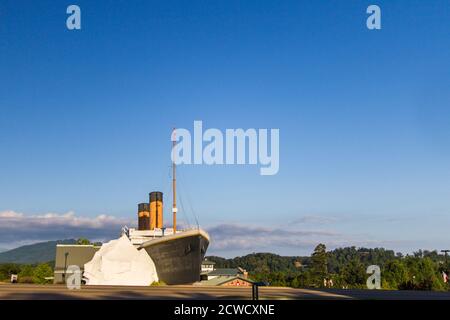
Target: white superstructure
x,y
137,237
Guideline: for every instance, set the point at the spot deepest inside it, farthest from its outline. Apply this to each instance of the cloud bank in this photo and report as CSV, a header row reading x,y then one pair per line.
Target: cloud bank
x,y
240,237
292,237
18,228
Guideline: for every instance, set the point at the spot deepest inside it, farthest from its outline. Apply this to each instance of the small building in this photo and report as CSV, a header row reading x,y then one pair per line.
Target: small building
x,y
69,255
207,266
224,272
211,276
14,278
227,281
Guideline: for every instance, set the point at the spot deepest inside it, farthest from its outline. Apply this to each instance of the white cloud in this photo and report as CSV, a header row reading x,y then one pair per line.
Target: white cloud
x,y
17,227
315,219
289,239
10,214
237,236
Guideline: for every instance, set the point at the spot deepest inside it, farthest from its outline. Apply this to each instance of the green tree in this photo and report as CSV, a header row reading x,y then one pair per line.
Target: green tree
x,y
7,269
26,274
319,265
41,272
83,241
423,274
394,274
354,274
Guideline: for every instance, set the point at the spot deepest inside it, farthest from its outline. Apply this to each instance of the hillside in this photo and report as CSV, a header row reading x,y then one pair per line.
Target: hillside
x,y
262,262
34,253
270,263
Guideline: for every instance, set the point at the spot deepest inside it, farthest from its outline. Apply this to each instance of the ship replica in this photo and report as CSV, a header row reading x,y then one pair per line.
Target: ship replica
x,y
177,254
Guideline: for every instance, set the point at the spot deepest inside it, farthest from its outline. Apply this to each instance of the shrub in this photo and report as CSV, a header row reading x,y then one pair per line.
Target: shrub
x,y
41,272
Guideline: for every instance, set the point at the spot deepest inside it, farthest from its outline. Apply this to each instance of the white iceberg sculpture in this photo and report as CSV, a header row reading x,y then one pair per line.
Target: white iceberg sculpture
x,y
118,262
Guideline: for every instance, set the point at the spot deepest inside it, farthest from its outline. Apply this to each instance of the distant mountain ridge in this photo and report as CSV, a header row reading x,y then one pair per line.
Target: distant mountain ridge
x,y
33,253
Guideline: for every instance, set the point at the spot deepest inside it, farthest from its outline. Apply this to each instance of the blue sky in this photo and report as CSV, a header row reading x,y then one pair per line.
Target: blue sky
x,y
85,119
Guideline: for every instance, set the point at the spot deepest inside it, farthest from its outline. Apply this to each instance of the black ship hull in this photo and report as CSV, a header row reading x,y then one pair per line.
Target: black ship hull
x,y
178,257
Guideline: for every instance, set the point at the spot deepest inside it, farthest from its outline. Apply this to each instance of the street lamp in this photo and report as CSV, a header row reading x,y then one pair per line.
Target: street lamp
x,y
65,265
446,251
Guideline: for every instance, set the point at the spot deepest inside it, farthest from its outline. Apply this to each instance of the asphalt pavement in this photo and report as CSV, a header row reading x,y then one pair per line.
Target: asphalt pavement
x,y
60,292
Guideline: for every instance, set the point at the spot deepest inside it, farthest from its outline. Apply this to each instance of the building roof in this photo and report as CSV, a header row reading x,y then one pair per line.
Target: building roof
x,y
222,280
76,255
225,272
207,262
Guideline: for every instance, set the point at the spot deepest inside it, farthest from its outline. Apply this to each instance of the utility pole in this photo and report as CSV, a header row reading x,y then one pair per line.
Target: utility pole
x,y
174,185
446,251
65,265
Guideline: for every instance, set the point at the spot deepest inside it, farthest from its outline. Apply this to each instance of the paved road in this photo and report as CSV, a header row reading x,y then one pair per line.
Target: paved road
x,y
21,291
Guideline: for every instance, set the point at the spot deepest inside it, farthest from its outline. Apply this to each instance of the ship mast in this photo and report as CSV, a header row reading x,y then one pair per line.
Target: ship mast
x,y
174,185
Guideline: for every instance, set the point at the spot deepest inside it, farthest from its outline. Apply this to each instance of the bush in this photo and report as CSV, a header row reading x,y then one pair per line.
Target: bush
x,y
25,279
41,272
26,271
7,269
354,274
83,241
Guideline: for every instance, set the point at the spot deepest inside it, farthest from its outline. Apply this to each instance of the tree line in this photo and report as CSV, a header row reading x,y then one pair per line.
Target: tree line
x,y
346,268
27,273
38,273
338,268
